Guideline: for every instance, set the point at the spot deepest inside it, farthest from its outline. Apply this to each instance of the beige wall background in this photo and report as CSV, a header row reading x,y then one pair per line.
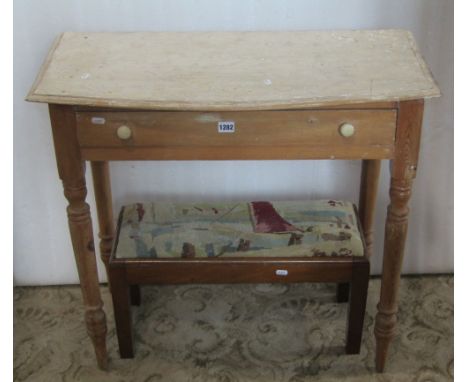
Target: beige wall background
x,y
42,249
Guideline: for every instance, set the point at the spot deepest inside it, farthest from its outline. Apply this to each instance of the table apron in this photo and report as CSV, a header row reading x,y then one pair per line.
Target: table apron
x,y
259,135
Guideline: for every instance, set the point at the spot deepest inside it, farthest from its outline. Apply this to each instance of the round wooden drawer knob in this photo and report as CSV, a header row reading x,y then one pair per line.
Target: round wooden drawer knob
x,y
347,130
124,132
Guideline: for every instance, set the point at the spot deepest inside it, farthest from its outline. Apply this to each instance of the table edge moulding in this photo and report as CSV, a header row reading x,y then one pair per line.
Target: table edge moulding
x,y
344,94
233,70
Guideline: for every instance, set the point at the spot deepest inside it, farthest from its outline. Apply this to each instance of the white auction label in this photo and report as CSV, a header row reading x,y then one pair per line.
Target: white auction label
x,y
226,127
281,272
98,120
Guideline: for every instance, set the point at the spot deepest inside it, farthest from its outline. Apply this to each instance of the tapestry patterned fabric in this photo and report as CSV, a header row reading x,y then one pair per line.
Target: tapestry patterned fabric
x,y
242,229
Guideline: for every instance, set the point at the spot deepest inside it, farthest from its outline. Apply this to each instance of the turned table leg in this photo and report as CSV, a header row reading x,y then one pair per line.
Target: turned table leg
x,y
367,199
103,196
72,172
370,172
402,175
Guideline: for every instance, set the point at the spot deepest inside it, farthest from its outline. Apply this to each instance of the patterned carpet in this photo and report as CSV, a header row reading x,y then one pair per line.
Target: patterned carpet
x,y
226,333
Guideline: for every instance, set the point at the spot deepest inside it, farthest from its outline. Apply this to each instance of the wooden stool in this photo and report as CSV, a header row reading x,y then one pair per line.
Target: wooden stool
x,y
244,242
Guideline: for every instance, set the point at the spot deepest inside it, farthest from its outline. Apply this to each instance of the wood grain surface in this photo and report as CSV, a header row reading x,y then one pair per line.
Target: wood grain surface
x,y
233,70
396,226
71,169
259,131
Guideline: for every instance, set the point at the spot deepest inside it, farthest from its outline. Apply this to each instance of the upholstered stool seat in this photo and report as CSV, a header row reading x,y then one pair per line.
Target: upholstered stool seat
x,y
261,241
243,229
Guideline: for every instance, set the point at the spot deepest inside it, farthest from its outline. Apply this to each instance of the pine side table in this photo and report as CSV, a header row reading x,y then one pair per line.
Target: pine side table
x,y
356,95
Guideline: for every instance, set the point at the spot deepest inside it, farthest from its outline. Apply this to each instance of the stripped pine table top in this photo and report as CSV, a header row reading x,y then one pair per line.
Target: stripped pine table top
x,y
233,70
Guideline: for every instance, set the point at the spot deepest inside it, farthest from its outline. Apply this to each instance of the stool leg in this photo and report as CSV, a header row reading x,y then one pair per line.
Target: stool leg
x,y
122,313
135,295
357,306
342,292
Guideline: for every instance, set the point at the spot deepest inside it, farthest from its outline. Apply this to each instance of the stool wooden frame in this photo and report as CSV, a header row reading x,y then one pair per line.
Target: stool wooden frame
x,y
127,274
